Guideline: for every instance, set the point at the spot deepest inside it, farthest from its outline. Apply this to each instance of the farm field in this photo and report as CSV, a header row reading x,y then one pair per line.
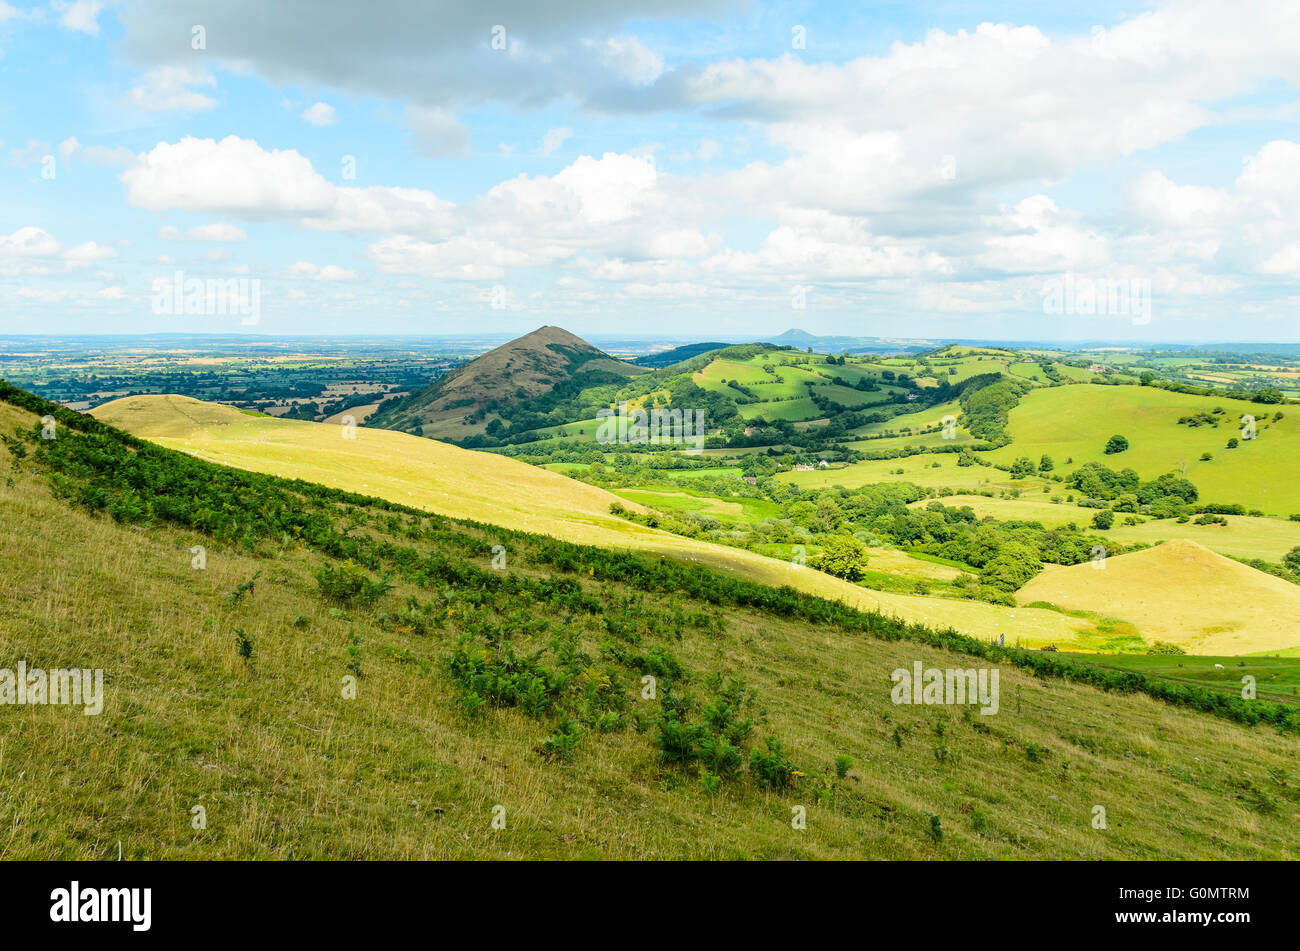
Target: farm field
x,y
921,440
794,410
925,418
1032,506
1074,422
1276,677
921,470
1243,537
678,498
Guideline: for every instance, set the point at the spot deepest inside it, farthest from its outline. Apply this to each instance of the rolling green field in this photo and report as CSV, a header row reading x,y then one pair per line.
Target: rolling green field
x,y
784,393
1276,678
920,441
1074,422
1032,506
676,499
743,372
920,470
794,410
924,418
1243,537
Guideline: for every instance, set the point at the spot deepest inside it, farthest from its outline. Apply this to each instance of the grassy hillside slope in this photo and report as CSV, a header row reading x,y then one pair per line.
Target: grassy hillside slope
x,y
1074,422
286,767
1180,591
490,488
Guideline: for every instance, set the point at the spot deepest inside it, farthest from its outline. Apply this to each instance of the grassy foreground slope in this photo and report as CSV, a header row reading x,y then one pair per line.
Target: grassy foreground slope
x,y
490,488
286,767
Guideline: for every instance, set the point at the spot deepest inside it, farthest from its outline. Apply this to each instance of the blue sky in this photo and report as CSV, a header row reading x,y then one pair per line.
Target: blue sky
x,y
674,168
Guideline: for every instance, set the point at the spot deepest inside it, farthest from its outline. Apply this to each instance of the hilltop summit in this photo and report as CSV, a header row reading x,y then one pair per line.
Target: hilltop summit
x,y
465,402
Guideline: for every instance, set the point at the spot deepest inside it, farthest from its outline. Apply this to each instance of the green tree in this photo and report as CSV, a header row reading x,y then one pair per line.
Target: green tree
x,y
1292,560
1116,444
842,556
1014,564
1046,464
802,513
1103,519
829,514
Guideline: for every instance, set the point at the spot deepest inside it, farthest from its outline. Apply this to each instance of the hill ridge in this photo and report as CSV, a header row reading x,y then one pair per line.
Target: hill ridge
x,y
463,403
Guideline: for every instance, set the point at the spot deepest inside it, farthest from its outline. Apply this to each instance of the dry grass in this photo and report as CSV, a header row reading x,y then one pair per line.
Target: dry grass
x,y
286,768
1182,593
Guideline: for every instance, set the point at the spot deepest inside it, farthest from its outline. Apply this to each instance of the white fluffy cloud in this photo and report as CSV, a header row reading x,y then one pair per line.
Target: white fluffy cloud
x,y
936,164
33,251
1160,201
168,89
321,114
957,113
232,176
305,270
217,231
395,210
79,15
463,258
88,253
1253,226
28,242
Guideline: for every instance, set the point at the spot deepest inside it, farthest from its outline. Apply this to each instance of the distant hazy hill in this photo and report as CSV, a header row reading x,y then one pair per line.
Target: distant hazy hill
x,y
463,403
840,344
667,358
